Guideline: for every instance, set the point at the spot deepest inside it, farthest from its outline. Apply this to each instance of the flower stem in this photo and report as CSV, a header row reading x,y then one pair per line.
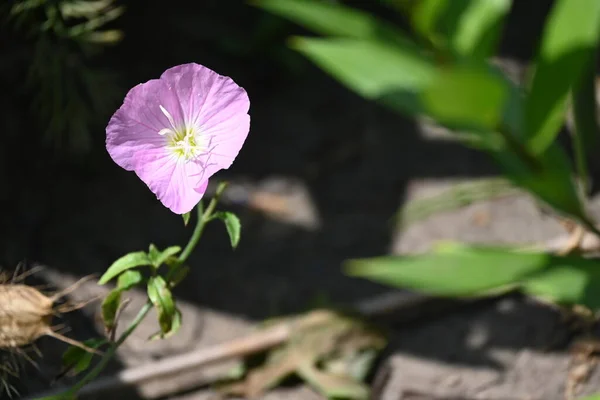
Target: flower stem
x,y
204,216
110,352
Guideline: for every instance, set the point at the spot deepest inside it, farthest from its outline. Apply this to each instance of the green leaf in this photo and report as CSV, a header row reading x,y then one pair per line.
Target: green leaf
x,y
469,28
77,358
175,326
333,19
232,224
158,257
452,270
549,179
160,295
372,69
468,97
129,279
479,27
575,280
592,397
179,274
110,305
186,218
128,261
586,133
153,253
570,38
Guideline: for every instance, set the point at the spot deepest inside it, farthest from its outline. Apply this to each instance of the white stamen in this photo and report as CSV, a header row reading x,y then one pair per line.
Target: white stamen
x,y
169,117
164,131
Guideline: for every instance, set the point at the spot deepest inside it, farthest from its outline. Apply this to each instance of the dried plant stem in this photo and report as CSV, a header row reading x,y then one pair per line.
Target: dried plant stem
x,y
204,216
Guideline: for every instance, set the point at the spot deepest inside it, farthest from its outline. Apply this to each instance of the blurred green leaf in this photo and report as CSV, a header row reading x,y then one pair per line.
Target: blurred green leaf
x,y
575,282
129,279
460,270
549,178
110,305
160,295
334,19
586,133
370,68
158,257
77,358
466,96
232,224
467,27
592,397
479,28
570,38
454,270
128,261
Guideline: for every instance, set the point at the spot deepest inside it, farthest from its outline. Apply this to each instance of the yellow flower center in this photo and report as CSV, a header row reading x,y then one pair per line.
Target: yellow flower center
x,y
185,142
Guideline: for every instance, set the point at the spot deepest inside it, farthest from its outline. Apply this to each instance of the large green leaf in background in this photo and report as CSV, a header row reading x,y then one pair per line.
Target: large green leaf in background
x,y
461,270
467,27
333,19
460,96
452,270
577,282
570,38
466,97
370,68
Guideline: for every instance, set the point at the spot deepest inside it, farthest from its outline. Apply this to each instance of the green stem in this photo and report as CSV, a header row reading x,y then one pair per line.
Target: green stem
x,y
110,352
204,216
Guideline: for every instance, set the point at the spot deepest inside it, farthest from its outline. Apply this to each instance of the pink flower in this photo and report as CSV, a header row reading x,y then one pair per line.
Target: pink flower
x,y
175,132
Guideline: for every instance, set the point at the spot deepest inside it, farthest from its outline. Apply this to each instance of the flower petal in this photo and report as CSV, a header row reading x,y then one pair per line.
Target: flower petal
x,y
175,183
225,144
136,124
207,98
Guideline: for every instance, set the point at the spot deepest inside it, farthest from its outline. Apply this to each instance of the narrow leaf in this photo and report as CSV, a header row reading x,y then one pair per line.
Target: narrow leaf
x,y
153,253
128,261
575,280
129,279
586,134
334,19
175,326
77,358
165,254
570,38
160,295
453,271
479,27
372,69
179,274
470,97
233,226
550,179
110,305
